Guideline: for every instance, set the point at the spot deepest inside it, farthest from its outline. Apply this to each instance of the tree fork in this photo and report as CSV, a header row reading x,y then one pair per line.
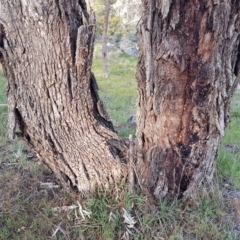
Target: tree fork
x,y
188,51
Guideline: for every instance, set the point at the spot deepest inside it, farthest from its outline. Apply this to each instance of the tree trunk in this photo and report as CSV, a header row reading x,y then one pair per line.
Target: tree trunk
x,y
52,95
188,52
104,39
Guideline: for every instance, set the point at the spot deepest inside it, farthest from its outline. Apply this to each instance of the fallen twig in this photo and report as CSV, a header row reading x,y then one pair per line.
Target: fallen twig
x,y
59,228
48,185
64,208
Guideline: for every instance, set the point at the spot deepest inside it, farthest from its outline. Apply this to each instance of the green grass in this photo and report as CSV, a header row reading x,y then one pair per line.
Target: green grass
x,y
2,87
3,109
228,163
118,91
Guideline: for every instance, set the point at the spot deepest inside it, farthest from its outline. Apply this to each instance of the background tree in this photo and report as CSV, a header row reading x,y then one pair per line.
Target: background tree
x,y
104,38
116,29
188,53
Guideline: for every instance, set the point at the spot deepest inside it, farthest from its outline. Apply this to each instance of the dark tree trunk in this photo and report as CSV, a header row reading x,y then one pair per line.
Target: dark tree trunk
x,y
188,54
188,51
104,38
52,95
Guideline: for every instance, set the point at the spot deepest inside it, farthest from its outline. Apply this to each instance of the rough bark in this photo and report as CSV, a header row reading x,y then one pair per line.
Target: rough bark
x,y
104,38
188,53
46,51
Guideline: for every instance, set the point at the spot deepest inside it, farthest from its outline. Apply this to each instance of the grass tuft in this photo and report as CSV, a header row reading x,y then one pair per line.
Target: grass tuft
x,y
228,163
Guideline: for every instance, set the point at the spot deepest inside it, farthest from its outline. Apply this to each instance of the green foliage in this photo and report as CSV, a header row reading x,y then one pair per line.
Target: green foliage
x,y
98,5
115,25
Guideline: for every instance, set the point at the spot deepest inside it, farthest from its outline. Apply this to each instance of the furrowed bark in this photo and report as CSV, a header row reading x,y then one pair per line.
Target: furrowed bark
x,y
188,53
46,51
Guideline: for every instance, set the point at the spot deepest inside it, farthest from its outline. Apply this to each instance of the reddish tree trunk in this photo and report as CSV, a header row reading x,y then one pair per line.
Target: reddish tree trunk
x,y
188,51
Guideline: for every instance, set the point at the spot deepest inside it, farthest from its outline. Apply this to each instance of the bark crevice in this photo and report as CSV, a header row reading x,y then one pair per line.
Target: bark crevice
x,y
191,68
188,53
58,107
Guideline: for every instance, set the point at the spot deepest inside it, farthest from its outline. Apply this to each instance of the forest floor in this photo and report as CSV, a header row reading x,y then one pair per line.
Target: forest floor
x,y
34,206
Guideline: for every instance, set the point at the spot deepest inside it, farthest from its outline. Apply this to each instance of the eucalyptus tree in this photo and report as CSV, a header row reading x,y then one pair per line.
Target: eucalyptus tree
x,y
188,51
